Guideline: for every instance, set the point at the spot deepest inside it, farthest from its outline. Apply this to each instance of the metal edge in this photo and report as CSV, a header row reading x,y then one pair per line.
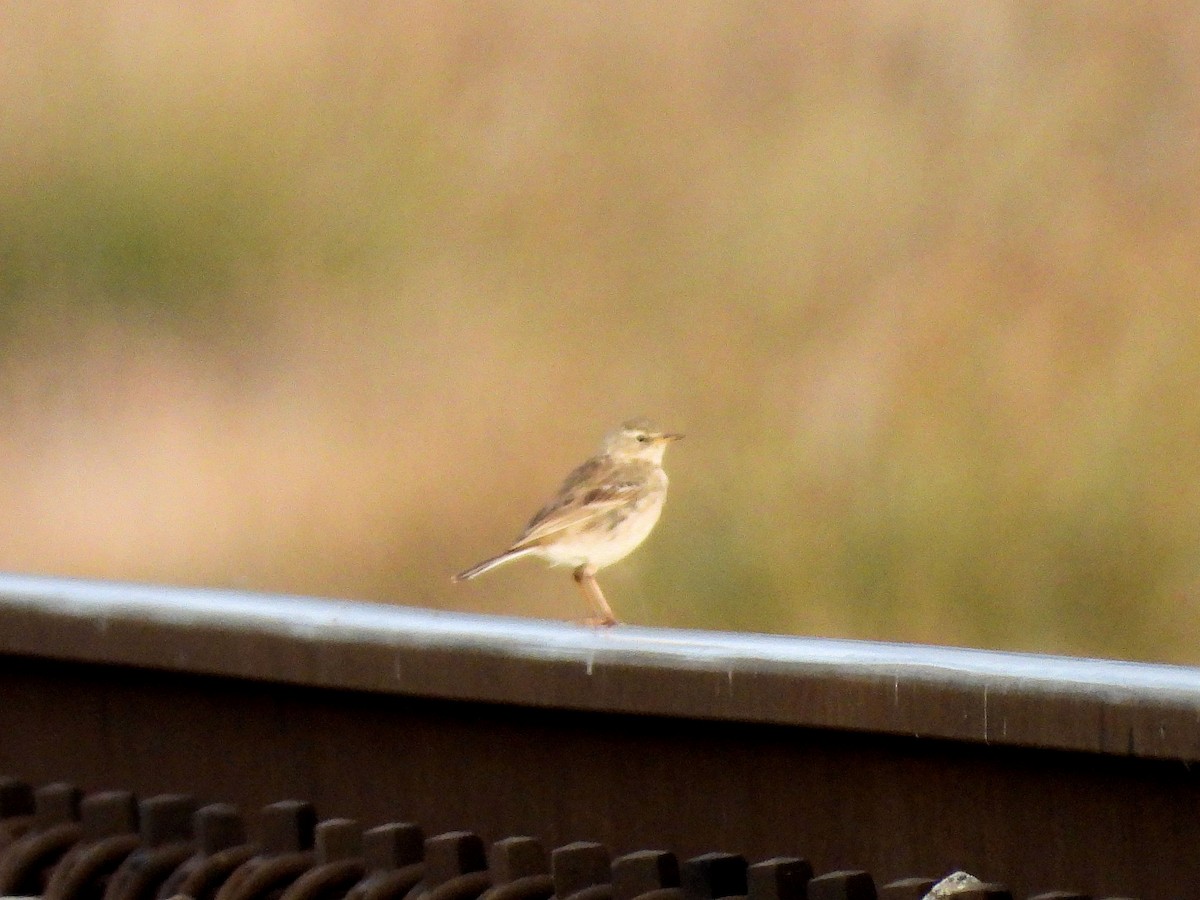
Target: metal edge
x,y
1007,699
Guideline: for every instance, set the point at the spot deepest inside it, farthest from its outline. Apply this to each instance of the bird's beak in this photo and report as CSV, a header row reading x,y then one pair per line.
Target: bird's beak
x,y
670,436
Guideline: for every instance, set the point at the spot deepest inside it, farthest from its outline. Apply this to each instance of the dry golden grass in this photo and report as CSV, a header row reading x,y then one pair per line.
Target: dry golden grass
x,y
326,298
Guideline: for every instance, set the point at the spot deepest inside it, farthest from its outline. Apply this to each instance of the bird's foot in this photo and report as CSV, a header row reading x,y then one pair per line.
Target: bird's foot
x,y
601,621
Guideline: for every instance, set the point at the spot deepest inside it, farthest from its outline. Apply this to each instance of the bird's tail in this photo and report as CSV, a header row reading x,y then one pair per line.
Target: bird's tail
x,y
480,568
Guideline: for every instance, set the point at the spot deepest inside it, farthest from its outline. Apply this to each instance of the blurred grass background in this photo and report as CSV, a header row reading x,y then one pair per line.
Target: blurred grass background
x,y
327,298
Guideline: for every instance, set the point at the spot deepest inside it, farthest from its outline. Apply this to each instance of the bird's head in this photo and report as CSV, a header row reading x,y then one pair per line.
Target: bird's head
x,y
639,439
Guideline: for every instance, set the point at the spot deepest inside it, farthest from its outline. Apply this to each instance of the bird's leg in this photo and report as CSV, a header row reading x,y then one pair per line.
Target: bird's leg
x,y
585,577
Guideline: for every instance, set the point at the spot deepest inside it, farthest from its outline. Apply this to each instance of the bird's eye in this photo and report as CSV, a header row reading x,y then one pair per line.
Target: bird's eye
x,y
642,438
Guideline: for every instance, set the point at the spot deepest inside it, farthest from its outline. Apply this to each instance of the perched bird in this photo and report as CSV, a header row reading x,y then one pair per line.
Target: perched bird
x,y
604,509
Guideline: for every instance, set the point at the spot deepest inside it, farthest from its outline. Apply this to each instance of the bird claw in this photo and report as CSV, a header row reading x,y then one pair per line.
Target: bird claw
x,y
601,621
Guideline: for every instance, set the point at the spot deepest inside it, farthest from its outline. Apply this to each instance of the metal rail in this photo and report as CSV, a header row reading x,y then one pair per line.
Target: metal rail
x,y
1036,770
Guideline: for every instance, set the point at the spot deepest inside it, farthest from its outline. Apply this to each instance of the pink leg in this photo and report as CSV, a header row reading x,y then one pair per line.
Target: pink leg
x,y
585,577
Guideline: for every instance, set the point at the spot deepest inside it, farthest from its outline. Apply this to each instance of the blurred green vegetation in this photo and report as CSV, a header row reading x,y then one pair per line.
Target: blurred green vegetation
x,y
327,298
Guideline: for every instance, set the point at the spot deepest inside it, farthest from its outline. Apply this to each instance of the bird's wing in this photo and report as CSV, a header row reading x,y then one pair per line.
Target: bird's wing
x,y
592,490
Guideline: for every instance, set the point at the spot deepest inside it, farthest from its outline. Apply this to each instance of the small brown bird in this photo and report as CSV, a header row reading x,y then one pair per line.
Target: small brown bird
x,y
602,512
